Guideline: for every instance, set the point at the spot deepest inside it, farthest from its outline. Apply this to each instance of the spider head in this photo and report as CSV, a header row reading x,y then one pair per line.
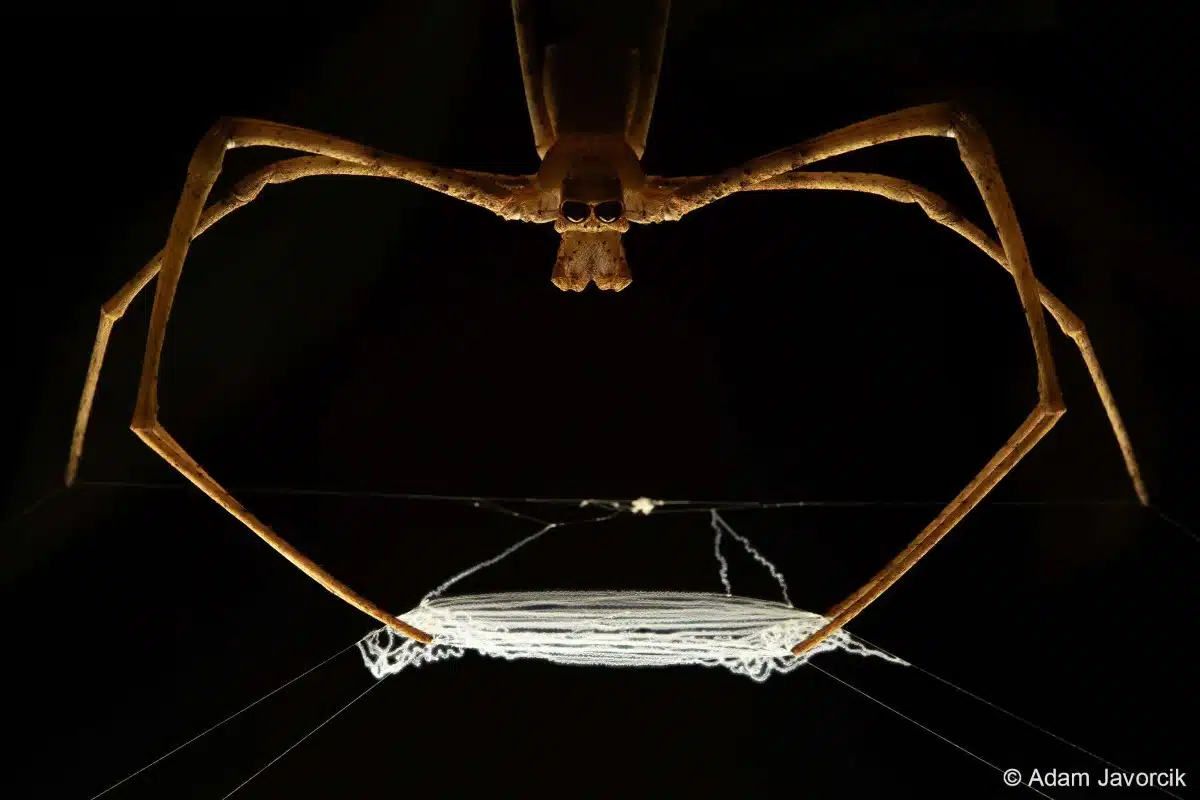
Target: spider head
x,y
592,179
591,219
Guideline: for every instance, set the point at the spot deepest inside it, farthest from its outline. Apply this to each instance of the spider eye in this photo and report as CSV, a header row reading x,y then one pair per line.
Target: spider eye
x,y
609,210
575,211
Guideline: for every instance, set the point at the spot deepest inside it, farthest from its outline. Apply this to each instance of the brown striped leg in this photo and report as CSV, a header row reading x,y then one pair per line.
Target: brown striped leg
x,y
939,211
496,193
977,156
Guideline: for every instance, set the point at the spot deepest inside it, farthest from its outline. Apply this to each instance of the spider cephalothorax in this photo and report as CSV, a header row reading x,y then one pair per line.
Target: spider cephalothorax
x,y
591,181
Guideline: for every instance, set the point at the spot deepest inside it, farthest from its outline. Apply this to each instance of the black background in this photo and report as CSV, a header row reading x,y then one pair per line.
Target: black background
x,y
351,334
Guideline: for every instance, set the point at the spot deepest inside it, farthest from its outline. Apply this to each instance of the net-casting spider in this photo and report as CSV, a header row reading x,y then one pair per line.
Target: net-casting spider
x,y
590,97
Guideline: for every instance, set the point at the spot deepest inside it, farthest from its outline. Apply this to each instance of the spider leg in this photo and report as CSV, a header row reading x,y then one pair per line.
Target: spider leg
x,y
116,306
979,159
497,193
939,211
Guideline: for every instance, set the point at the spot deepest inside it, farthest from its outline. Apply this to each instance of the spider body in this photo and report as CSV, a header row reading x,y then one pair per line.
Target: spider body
x,y
590,77
590,92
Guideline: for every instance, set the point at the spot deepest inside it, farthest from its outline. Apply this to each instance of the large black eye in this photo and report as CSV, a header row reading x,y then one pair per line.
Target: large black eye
x,y
575,211
609,210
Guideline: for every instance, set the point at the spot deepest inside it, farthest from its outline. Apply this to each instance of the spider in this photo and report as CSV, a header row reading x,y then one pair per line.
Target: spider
x,y
590,96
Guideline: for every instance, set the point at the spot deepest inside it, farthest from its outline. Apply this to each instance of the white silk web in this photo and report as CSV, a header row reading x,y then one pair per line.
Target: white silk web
x,y
748,636
610,628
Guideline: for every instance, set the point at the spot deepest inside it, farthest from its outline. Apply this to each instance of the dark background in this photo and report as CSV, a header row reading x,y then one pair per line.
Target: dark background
x,y
355,335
